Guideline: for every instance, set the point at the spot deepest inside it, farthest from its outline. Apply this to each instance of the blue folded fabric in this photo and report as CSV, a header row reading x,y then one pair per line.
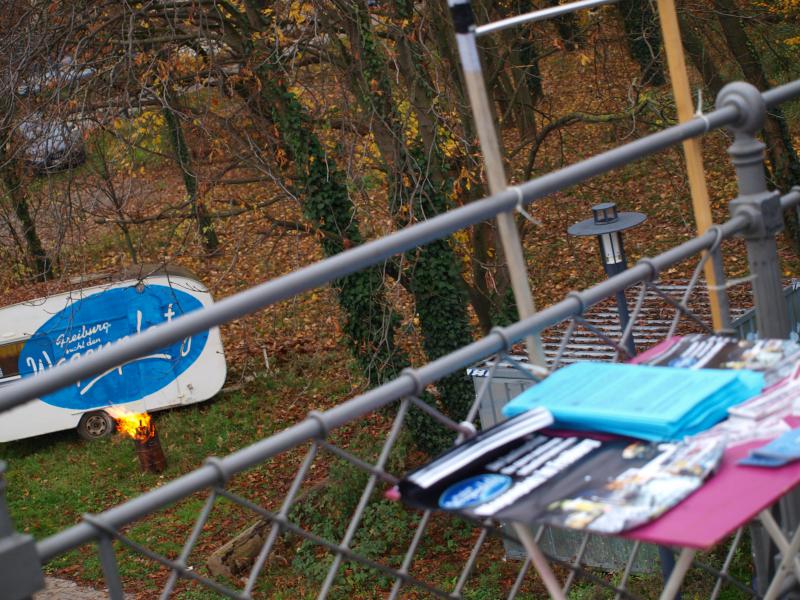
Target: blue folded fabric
x,y
754,460
652,403
777,453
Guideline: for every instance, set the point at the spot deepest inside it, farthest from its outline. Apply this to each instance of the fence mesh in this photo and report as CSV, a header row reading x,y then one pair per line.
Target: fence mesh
x,y
339,526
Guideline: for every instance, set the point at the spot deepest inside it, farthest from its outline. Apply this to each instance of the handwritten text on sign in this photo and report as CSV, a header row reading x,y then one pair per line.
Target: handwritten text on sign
x,y
93,323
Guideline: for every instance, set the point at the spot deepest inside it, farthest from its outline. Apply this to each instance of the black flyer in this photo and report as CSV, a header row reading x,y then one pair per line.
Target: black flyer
x,y
516,472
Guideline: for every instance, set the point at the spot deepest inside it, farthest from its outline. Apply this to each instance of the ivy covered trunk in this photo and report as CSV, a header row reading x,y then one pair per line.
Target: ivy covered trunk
x,y
40,263
369,320
418,190
644,39
489,286
180,150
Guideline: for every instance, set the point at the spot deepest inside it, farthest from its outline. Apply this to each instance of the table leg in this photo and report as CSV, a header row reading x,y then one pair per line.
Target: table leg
x,y
763,551
787,560
673,584
776,533
667,560
540,562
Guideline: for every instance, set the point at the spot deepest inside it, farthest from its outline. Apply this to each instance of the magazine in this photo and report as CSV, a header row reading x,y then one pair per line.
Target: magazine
x,y
735,431
777,401
775,358
639,495
603,485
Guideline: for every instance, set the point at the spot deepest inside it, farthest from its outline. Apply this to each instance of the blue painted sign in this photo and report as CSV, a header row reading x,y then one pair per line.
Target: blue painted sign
x,y
474,491
93,323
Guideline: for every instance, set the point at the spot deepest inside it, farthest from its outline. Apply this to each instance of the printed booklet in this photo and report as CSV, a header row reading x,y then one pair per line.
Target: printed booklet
x,y
775,358
513,471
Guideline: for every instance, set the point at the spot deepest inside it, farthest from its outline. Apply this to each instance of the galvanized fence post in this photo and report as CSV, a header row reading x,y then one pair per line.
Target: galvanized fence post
x,y
20,567
761,206
763,209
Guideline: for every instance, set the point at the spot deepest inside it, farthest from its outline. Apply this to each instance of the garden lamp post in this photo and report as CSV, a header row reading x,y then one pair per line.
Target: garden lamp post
x,y
606,224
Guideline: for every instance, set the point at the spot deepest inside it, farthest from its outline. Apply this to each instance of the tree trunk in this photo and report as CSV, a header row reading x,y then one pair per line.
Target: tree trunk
x,y
783,159
701,59
524,84
485,273
644,39
180,151
568,28
39,261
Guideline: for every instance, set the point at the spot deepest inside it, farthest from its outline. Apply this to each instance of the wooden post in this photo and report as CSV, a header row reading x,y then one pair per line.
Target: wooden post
x,y
692,150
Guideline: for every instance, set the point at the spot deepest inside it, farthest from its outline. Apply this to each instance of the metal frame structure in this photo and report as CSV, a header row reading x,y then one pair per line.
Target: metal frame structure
x,y
756,216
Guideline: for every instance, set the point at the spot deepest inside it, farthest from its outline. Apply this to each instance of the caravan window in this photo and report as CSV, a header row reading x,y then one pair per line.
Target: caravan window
x,y
9,359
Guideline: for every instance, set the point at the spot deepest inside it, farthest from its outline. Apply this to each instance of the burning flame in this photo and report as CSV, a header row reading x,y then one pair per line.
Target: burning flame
x,y
135,425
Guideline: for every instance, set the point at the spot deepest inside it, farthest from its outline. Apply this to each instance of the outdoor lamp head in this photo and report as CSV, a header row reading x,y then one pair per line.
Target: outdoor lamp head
x,y
605,214
605,224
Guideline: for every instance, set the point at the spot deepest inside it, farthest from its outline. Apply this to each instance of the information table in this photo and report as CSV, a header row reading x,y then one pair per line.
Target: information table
x,y
730,498
733,497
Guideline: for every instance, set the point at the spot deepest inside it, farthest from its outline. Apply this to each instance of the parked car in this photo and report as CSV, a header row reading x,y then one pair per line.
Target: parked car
x,y
52,145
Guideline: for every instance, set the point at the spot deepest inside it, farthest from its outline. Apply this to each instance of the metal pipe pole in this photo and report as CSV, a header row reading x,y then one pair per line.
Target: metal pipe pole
x,y
622,302
495,172
539,15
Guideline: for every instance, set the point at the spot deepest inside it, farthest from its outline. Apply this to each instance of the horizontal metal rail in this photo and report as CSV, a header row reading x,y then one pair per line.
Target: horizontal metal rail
x,y
371,253
539,15
781,94
217,471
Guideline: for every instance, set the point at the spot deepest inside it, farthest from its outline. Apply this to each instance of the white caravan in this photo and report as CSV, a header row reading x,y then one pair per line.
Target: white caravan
x,y
41,334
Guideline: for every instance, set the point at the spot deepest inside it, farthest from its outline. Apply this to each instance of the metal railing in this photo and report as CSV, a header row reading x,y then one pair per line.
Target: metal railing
x,y
745,325
756,216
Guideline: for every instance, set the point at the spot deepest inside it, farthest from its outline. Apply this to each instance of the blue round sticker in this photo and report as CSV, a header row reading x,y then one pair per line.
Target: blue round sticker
x,y
474,491
94,323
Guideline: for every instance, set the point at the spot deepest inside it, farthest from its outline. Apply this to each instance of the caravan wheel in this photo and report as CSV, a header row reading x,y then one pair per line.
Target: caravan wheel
x,y
95,425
